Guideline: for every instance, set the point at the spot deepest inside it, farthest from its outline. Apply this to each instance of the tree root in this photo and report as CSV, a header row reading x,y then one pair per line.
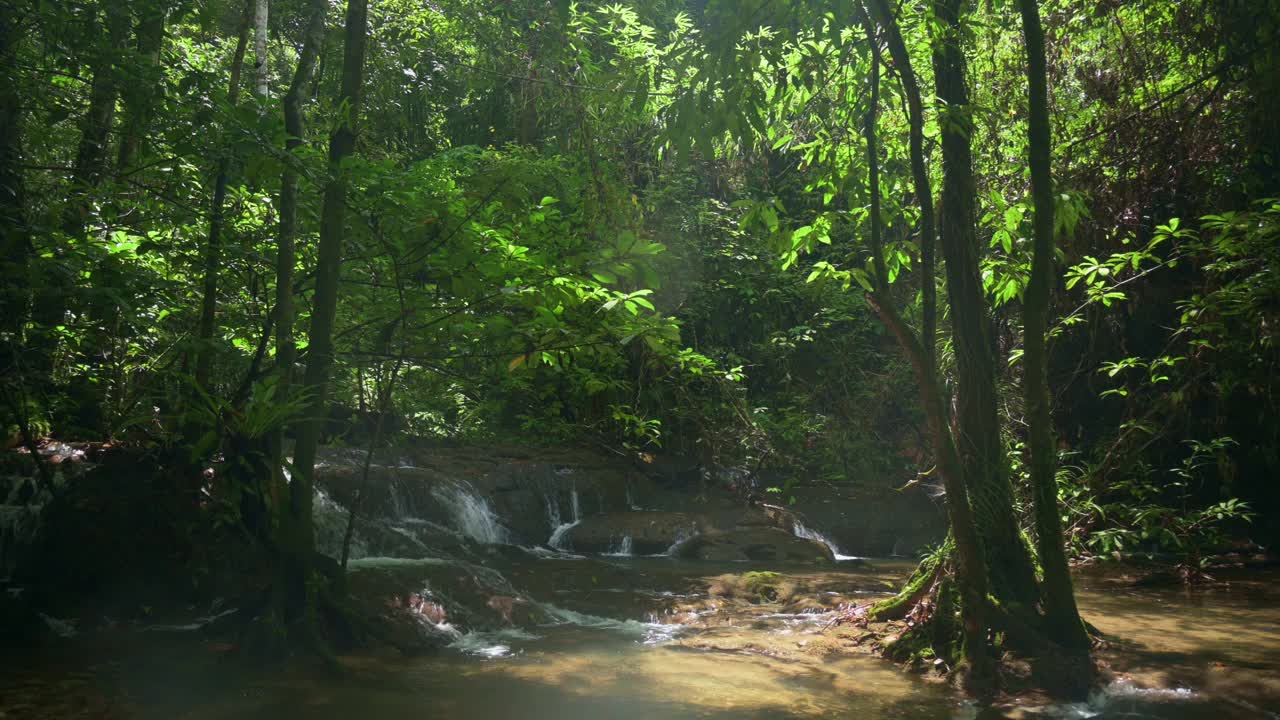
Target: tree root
x,y
917,588
926,618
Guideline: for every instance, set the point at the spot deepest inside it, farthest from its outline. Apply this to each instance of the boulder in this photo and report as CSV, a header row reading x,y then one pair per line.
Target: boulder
x,y
650,532
870,521
755,544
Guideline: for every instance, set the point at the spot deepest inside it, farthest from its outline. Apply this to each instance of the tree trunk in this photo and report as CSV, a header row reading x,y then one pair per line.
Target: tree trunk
x,y
294,127
1063,618
320,347
286,256
260,77
140,94
919,174
977,420
213,248
91,155
971,577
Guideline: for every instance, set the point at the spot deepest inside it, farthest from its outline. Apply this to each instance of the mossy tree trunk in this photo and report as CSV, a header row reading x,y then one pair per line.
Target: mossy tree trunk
x,y
1061,615
971,575
978,428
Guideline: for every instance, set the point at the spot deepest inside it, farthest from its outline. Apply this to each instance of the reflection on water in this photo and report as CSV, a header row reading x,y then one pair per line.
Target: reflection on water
x,y
614,642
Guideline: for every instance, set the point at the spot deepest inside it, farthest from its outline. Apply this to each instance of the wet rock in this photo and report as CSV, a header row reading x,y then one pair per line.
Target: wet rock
x,y
650,532
755,544
870,521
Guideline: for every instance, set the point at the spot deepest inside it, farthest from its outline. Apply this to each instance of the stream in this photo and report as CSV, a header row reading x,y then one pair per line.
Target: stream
x,y
543,630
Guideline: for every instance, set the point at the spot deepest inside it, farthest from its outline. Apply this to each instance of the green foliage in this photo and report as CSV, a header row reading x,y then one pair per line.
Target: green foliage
x,y
646,224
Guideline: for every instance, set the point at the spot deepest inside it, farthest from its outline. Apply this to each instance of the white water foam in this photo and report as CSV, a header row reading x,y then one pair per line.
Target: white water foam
x,y
648,632
471,513
800,530
622,549
1119,699
561,529
491,644
683,535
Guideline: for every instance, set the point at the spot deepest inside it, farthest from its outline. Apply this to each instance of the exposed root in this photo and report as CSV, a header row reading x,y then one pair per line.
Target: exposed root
x,y
917,588
921,628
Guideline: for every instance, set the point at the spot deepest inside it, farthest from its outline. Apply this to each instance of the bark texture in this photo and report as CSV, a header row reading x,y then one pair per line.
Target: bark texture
x,y
1061,614
971,572
977,420
261,78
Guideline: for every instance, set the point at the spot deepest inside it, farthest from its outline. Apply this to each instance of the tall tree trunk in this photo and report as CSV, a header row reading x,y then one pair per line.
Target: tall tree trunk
x,y
294,127
91,156
977,419
919,173
260,76
286,256
140,94
971,579
1063,618
213,246
324,308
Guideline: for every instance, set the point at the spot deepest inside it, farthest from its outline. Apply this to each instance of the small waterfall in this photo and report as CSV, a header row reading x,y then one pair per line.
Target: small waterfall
x,y
631,498
683,536
402,505
800,530
330,519
561,529
553,510
471,514
622,549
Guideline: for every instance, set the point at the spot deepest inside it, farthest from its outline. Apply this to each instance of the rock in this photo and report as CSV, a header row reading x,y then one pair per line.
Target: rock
x,y
866,521
755,544
650,532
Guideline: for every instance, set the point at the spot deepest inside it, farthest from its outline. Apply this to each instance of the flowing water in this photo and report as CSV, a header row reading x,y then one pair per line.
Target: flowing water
x,y
473,516
622,636
560,529
808,533
616,640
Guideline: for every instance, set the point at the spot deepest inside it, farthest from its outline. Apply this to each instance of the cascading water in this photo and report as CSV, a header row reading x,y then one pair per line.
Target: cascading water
x,y
683,536
560,530
623,548
330,520
402,505
471,514
800,530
